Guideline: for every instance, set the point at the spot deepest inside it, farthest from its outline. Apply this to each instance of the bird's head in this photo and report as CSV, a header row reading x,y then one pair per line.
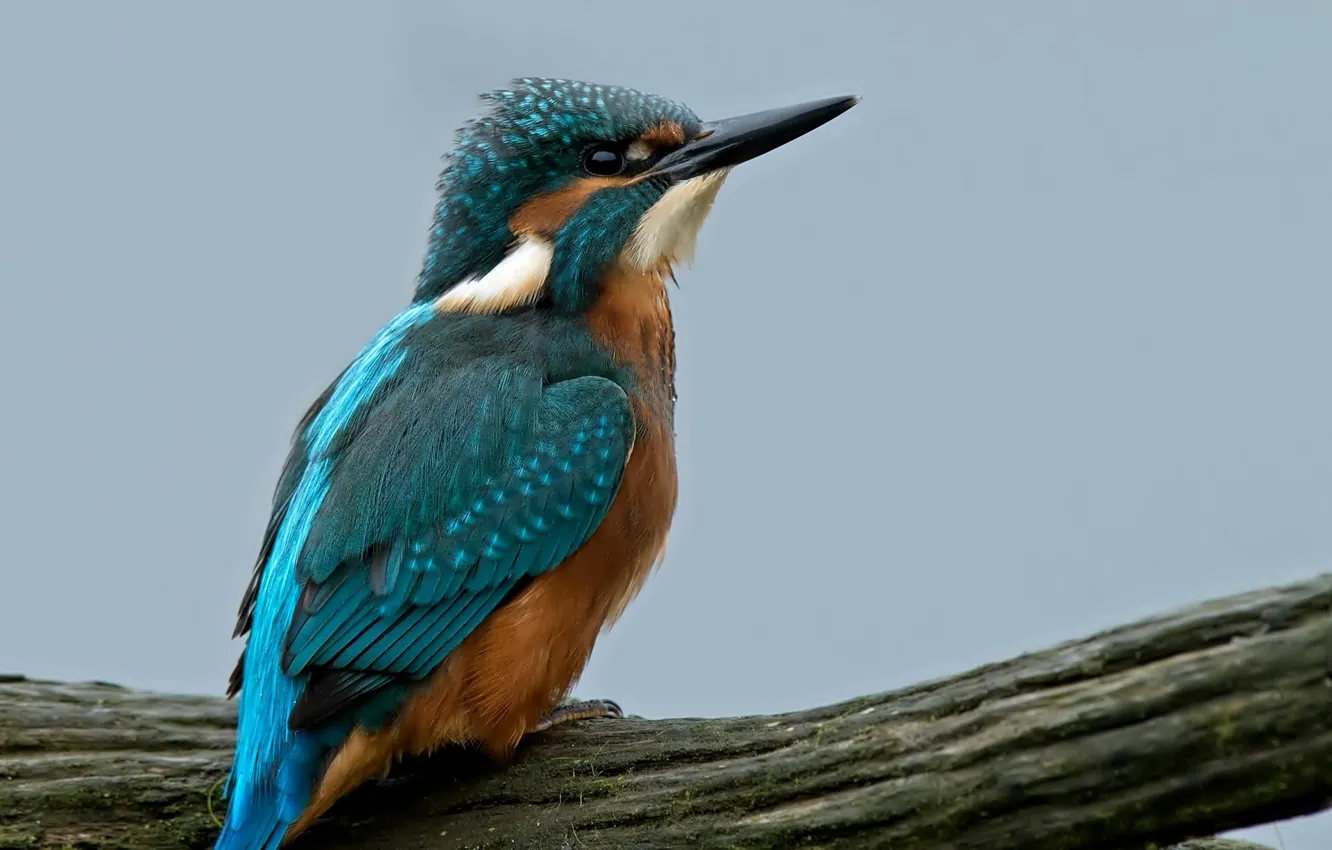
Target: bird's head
x,y
561,180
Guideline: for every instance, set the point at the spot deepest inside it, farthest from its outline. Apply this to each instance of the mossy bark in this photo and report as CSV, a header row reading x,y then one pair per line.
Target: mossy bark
x,y
1208,719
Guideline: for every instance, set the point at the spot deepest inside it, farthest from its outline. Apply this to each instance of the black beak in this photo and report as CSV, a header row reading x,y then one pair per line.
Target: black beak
x,y
732,141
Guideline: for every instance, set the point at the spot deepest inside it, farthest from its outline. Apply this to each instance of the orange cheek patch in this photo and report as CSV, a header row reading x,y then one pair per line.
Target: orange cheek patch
x,y
544,215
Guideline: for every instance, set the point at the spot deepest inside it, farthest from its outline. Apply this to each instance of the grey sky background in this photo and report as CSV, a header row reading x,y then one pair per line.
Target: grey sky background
x,y
1032,342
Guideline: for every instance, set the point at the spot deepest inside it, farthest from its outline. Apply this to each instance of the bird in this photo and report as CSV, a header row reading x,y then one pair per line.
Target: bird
x,y
478,495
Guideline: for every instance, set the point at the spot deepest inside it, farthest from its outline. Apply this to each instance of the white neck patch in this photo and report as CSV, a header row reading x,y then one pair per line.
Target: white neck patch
x,y
668,231
515,282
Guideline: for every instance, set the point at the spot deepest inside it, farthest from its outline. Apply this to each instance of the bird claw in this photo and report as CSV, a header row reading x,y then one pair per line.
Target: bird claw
x,y
584,710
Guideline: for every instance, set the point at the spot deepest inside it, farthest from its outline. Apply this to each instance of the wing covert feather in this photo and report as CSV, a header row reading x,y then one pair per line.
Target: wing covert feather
x,y
533,470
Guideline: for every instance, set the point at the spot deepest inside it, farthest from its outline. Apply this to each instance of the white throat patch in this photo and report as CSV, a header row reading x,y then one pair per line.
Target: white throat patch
x,y
668,231
515,282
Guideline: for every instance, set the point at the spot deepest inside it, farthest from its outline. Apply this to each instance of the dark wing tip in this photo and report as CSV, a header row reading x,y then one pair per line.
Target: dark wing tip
x,y
237,676
331,692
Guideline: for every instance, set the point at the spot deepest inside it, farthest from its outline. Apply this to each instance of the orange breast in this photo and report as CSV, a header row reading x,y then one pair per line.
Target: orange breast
x,y
529,653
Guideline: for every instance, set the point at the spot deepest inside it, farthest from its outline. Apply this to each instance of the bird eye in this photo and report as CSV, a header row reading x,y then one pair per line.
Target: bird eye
x,y
603,162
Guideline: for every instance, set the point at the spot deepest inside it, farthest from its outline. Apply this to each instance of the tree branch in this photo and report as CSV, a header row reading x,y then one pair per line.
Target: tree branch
x,y
1208,719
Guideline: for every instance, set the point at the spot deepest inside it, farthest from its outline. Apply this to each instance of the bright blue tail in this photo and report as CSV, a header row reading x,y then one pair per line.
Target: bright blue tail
x,y
259,813
261,829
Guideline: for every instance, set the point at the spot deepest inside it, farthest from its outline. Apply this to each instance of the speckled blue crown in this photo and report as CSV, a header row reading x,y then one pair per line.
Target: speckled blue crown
x,y
533,111
527,143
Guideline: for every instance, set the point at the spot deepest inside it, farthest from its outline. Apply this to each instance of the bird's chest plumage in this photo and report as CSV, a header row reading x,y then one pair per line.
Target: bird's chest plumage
x,y
536,646
633,322
524,657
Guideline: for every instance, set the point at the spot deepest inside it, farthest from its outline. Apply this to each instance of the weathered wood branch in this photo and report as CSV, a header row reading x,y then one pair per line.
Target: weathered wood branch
x,y
1208,719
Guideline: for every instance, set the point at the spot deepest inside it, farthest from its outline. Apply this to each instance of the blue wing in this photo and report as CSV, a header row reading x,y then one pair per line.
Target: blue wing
x,y
440,504
290,478
435,475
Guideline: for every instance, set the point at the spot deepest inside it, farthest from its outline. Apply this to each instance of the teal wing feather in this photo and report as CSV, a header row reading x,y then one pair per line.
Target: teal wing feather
x,y
444,500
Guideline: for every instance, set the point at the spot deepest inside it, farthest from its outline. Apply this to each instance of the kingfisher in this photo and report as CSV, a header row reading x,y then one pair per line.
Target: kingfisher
x,y
487,485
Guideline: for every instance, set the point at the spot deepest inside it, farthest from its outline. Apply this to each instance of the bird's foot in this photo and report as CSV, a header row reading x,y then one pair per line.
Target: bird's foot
x,y
582,710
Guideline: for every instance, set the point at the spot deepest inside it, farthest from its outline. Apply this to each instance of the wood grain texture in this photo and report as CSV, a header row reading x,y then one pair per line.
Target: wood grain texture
x,y
1189,724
